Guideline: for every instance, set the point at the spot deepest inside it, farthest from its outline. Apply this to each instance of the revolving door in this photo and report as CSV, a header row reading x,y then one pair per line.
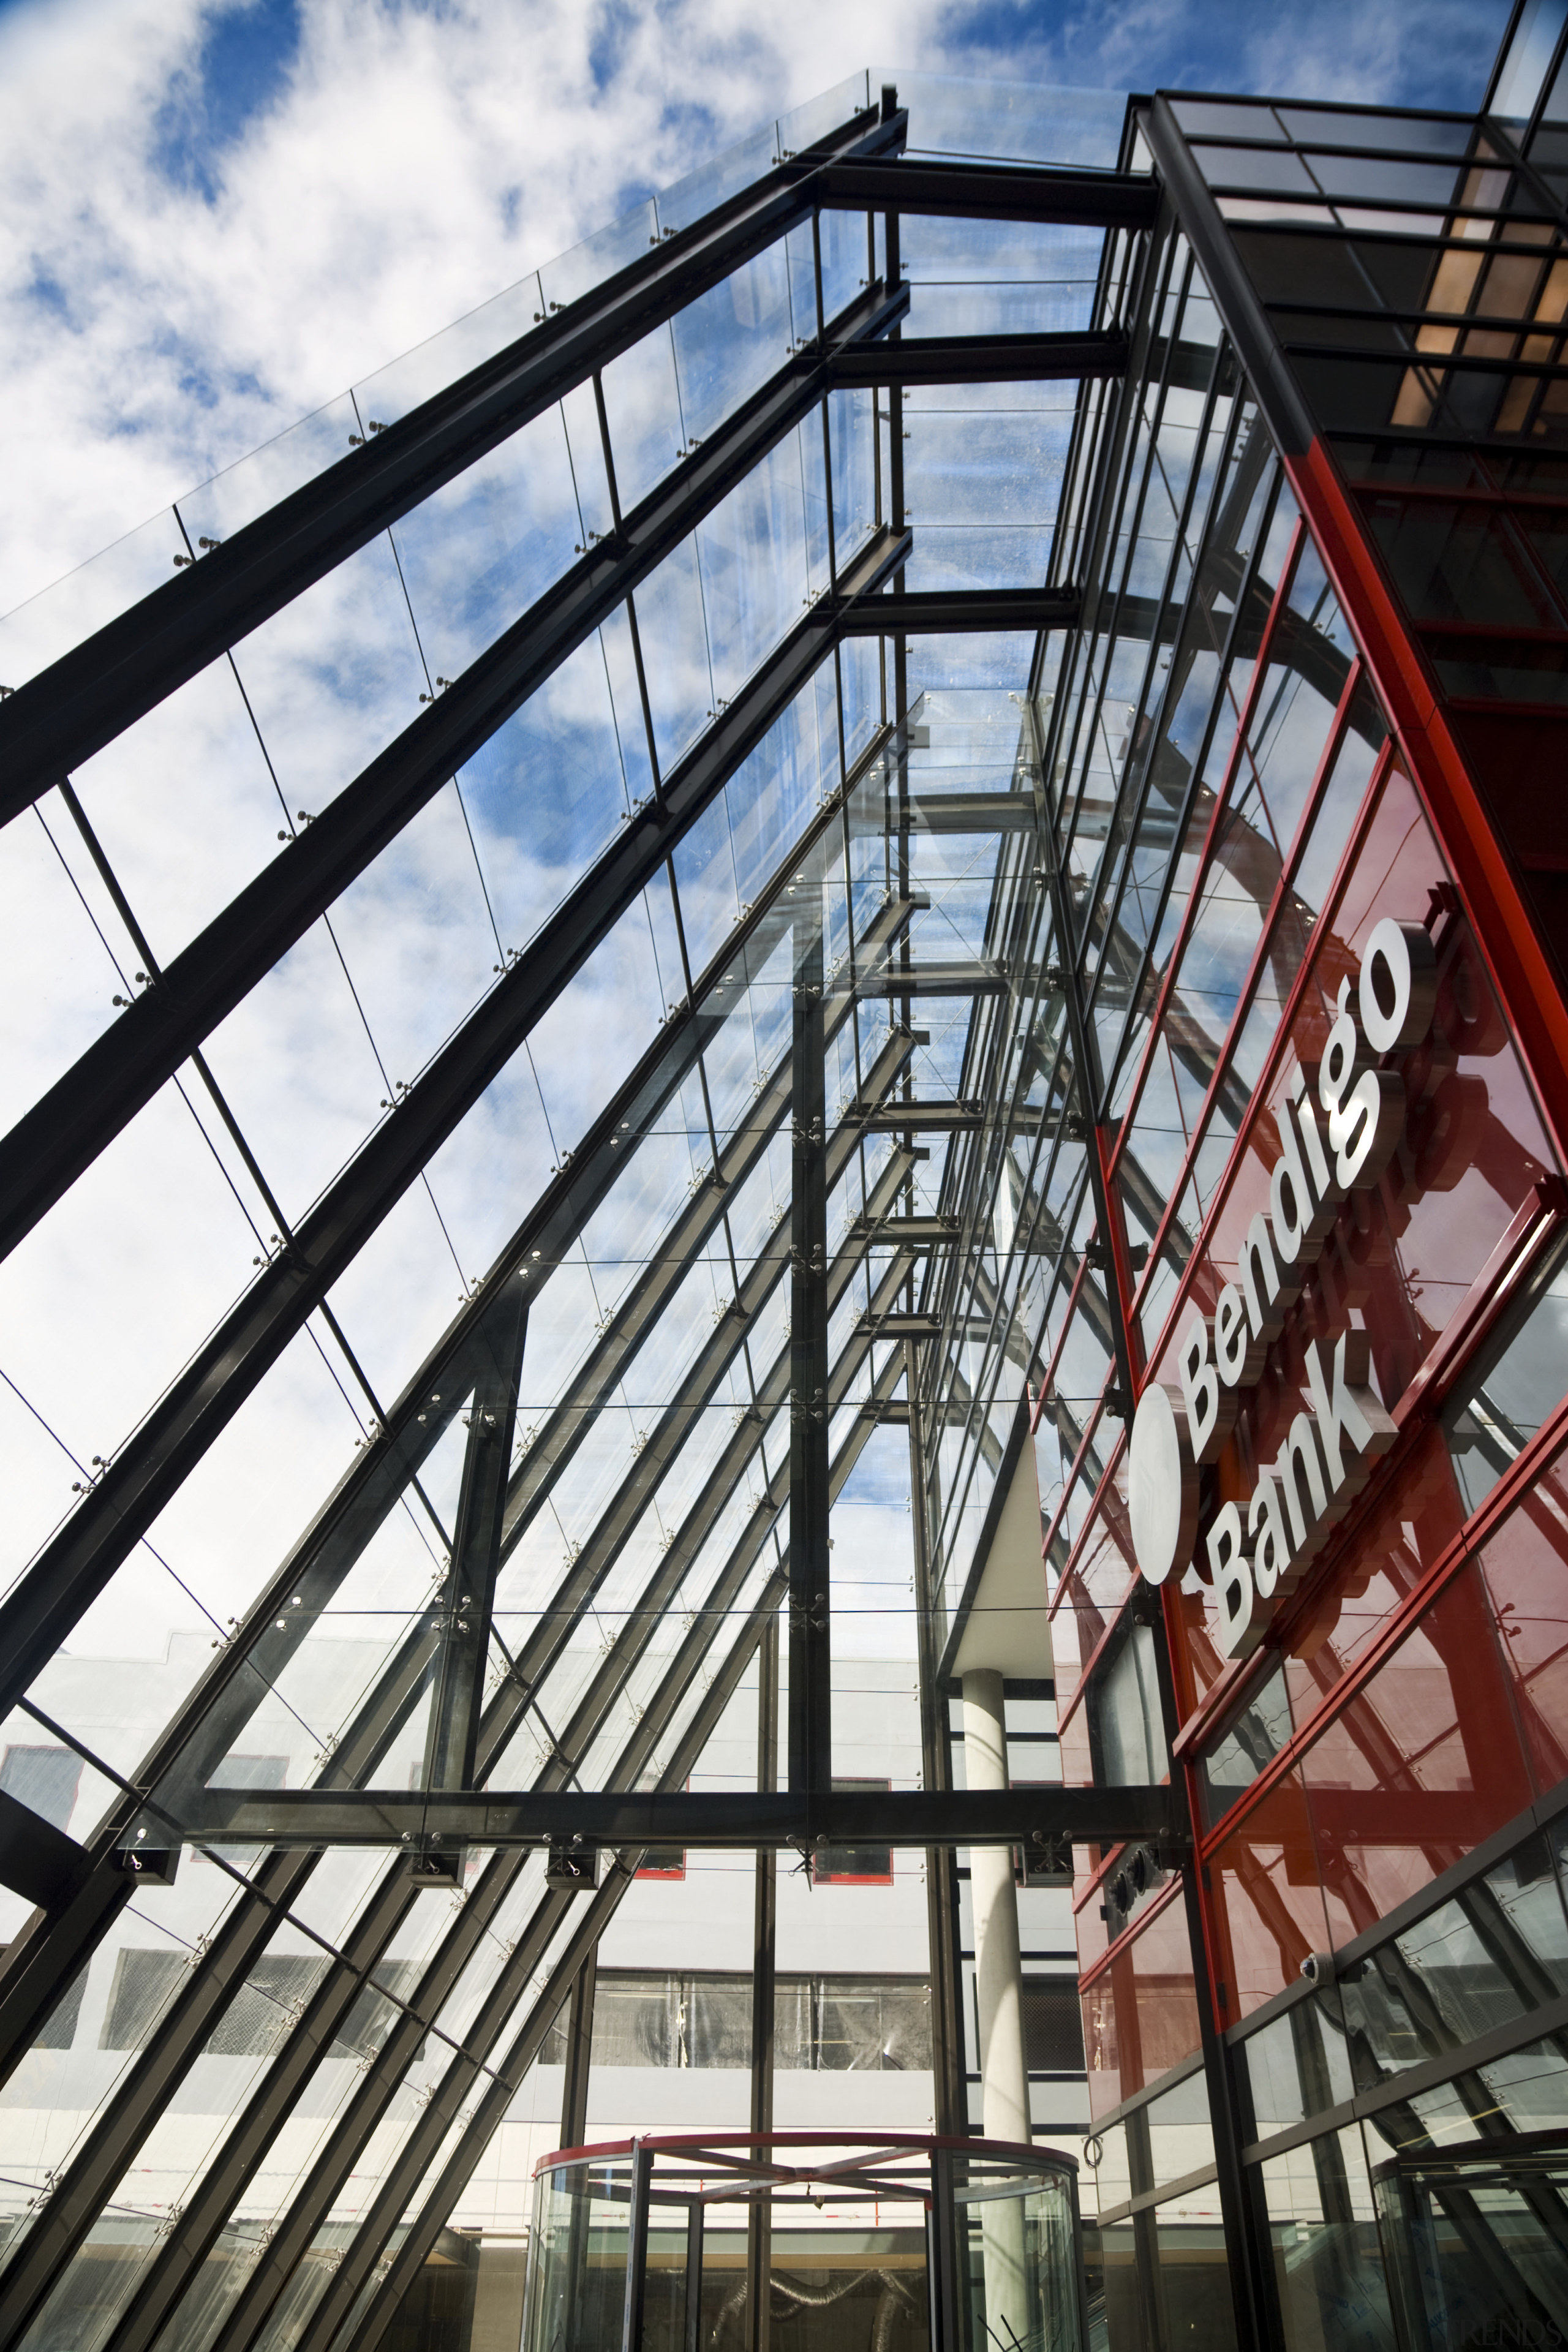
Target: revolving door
x,y
805,2241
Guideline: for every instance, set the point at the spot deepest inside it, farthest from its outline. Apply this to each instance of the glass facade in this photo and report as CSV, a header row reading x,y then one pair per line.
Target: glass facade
x,y
624,1130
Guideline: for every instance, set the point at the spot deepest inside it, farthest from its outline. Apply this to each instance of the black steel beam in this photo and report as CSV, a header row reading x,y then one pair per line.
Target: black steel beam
x,y
212,2199
430,2128
66,1128
561,1430
457,1696
209,1725
414,2156
973,812
909,1232
55,721
1023,191
934,980
809,1734
944,612
982,359
728,1818
38,1615
102,2157
37,1861
919,1117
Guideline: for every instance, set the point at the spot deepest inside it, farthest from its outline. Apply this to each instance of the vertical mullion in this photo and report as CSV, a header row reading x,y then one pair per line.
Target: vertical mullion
x,y
759,2218
810,1724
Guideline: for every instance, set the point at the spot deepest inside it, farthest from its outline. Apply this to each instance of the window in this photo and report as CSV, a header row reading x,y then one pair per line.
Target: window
x,y
44,1780
1520,1381
1053,2026
822,2024
854,1865
248,1773
664,1861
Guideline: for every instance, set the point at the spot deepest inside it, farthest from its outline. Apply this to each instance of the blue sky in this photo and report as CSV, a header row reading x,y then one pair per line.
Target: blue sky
x,y
216,214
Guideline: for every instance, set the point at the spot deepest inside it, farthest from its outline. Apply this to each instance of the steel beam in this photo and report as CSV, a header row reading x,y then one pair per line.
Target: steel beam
x,y
430,2128
809,1739
731,1818
70,1574
58,720
208,1727
579,2056
919,1117
954,612
413,2158
469,1590
37,1861
1023,191
909,1232
69,1125
982,359
764,1944
983,979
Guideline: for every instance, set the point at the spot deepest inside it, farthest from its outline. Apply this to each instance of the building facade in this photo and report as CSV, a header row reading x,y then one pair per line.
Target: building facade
x,y
965,991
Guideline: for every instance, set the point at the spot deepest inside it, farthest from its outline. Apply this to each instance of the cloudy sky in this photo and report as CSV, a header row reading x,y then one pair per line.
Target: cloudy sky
x,y
216,214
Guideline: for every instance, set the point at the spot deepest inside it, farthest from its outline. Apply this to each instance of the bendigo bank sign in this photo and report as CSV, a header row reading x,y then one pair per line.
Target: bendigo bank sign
x,y
1339,1124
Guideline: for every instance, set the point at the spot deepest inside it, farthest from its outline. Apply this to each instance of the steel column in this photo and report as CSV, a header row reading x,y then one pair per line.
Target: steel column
x,y
764,1923
459,1694
810,1671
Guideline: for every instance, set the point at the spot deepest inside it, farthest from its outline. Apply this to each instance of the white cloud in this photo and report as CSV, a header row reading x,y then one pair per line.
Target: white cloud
x,y
413,163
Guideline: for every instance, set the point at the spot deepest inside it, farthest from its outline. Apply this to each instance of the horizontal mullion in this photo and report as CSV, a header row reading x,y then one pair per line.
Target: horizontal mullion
x,y
1429,240
91,694
1452,208
941,612
1448,159
962,191
1431,362
740,1819
981,358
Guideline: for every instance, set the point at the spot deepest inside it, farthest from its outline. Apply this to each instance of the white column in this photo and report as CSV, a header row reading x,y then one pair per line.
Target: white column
x,y
999,1976
999,1985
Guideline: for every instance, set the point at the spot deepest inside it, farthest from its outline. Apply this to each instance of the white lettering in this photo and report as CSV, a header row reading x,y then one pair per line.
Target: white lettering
x,y
1260,1280
1293,1211
1364,1129
1344,1059
1327,1190
1232,1352
1270,1540
1210,1415
1398,992
1328,1451
1348,1409
1230,1572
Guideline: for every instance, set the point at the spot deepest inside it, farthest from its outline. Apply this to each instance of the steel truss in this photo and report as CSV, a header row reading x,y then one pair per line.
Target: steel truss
x,y
819,1391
